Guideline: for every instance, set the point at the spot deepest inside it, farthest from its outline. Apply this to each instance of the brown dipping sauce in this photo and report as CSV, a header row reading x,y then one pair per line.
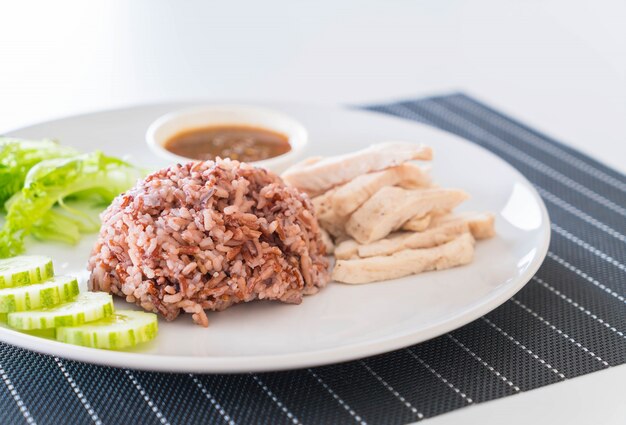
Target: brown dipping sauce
x,y
242,143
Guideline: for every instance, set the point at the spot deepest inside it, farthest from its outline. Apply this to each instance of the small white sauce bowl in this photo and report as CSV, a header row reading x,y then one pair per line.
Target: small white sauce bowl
x,y
169,125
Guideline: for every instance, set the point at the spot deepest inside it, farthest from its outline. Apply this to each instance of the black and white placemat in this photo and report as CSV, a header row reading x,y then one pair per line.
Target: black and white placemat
x,y
568,321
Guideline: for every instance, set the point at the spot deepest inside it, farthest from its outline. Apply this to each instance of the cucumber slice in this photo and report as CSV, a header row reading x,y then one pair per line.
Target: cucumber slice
x,y
25,270
87,307
43,333
123,329
50,293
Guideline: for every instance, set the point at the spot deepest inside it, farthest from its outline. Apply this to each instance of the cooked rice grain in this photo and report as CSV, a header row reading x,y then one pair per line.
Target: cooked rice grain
x,y
205,236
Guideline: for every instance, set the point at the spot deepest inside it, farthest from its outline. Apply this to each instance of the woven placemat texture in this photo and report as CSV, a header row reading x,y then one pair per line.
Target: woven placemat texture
x,y
568,321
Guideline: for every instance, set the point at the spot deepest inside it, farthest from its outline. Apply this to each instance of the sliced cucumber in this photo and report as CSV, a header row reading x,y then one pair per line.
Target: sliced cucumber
x,y
42,333
50,293
87,307
25,270
123,329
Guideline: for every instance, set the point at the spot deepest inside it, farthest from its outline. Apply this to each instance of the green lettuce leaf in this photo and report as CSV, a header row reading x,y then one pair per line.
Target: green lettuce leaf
x,y
18,156
60,196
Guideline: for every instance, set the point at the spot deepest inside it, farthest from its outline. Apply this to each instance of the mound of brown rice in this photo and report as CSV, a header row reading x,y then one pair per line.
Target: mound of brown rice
x,y
205,236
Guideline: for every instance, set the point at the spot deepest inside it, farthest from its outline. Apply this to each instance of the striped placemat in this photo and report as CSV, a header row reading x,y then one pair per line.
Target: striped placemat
x,y
568,321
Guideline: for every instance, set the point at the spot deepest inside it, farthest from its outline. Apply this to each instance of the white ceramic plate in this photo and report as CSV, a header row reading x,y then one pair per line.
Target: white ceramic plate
x,y
342,322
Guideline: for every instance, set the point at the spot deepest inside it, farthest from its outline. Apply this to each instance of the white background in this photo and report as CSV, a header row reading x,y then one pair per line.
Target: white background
x,y
557,65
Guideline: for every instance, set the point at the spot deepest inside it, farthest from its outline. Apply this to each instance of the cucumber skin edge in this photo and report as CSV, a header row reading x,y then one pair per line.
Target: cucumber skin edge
x,y
114,341
29,277
28,324
48,297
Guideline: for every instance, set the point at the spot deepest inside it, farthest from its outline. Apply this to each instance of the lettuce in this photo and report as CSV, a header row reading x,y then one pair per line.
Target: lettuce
x,y
18,156
60,199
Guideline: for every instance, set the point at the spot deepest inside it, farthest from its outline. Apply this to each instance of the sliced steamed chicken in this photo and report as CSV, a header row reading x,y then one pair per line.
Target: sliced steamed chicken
x,y
329,220
419,223
481,224
391,207
404,240
457,252
350,196
319,176
383,217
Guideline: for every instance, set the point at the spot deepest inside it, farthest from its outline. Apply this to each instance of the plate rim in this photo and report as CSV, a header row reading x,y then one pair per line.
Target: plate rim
x,y
276,362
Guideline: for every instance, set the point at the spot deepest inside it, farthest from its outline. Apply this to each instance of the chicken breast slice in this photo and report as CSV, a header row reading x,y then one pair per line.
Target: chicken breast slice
x,y
418,223
391,207
328,219
414,240
353,194
457,252
481,224
347,249
319,176
323,203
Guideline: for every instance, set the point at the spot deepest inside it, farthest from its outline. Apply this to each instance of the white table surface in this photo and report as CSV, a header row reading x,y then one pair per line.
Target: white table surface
x,y
557,65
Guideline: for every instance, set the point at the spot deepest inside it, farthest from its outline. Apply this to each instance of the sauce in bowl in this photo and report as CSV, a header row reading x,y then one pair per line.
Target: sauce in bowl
x,y
242,143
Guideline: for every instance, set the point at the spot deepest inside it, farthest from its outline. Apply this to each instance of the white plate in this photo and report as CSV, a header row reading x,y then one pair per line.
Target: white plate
x,y
341,322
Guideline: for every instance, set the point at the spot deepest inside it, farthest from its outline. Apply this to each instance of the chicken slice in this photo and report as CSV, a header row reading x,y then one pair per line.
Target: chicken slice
x,y
323,203
457,252
413,240
353,194
347,249
391,207
418,223
481,225
326,215
318,177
